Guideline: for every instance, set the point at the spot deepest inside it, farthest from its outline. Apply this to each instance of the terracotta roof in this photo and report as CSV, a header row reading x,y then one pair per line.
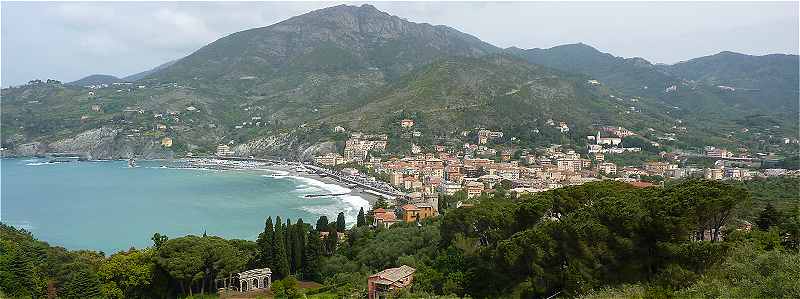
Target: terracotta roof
x,y
409,207
386,217
379,210
394,274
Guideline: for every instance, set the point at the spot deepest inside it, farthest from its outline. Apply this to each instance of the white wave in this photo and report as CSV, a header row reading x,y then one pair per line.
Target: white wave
x,y
41,163
349,204
306,189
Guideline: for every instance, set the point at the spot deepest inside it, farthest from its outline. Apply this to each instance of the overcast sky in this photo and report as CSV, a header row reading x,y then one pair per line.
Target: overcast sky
x,y
67,41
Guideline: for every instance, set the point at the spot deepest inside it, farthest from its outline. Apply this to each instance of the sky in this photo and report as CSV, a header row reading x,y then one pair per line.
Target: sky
x,y
69,40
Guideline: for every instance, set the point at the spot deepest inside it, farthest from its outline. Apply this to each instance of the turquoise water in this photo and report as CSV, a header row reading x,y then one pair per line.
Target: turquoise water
x,y
110,207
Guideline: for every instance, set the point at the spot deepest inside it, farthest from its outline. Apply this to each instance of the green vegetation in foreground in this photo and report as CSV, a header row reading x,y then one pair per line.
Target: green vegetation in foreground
x,y
598,240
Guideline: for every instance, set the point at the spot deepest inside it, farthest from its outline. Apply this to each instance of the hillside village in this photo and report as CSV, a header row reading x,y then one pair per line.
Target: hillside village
x,y
480,166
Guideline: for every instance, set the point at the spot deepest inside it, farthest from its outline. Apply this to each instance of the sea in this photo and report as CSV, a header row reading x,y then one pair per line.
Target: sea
x,y
108,206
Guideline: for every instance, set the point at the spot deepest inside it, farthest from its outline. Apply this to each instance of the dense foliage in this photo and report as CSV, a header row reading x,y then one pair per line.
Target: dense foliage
x,y
598,240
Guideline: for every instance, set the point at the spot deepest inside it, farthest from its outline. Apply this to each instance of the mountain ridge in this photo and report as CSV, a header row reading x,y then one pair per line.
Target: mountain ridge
x,y
362,68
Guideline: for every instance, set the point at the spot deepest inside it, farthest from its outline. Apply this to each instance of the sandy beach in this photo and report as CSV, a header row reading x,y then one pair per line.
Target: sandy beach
x,y
289,169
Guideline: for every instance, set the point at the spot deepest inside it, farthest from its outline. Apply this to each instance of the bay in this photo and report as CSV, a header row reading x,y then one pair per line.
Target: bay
x,y
110,207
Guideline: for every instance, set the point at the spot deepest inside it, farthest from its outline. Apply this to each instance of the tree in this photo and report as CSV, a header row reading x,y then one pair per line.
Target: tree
x,y
311,257
340,224
299,246
80,282
331,240
286,288
381,204
322,223
191,260
265,241
127,274
360,219
768,217
159,239
279,256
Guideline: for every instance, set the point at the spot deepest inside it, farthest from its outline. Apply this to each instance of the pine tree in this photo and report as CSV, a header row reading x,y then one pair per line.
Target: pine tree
x,y
280,260
360,219
322,224
311,255
340,225
265,241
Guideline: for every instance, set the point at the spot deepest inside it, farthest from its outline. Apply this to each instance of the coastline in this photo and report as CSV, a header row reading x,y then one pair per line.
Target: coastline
x,y
289,170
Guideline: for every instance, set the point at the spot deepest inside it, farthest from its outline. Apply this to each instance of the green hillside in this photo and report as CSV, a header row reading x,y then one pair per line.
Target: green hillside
x,y
365,69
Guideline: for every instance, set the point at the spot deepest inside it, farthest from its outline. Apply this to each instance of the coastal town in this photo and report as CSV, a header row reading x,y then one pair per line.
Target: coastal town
x,y
414,183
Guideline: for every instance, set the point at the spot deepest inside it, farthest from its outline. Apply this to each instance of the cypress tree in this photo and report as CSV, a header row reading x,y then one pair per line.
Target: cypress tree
x,y
264,242
331,241
280,261
322,223
311,255
289,239
299,244
360,219
340,225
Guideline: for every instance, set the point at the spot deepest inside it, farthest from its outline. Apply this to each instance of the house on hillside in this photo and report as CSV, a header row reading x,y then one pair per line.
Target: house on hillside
x,y
407,123
382,218
383,284
412,213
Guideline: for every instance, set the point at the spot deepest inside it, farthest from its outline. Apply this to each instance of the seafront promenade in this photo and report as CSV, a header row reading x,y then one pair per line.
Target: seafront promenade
x,y
371,187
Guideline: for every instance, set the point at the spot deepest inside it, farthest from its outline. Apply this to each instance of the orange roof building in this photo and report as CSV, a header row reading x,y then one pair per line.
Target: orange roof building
x,y
384,283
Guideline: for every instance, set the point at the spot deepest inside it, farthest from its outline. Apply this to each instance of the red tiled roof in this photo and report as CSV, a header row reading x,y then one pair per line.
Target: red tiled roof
x,y
379,210
387,217
409,207
394,274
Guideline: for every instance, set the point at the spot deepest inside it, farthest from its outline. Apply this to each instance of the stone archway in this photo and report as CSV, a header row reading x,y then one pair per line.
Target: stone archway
x,y
255,279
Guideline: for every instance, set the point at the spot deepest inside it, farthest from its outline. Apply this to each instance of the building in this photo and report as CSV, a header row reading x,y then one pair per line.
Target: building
x,y
713,174
607,168
485,135
569,164
382,218
383,284
713,152
330,159
254,279
473,188
413,213
658,168
224,150
407,123
166,142
338,129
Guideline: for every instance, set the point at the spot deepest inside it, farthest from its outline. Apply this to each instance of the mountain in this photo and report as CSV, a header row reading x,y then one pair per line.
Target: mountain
x,y
767,85
499,92
141,75
769,80
95,80
631,75
280,90
341,42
